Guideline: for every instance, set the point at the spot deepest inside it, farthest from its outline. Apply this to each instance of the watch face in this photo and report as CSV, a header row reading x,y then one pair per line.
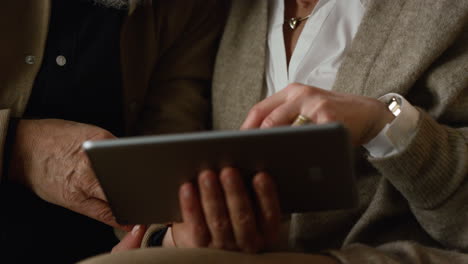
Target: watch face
x,y
394,106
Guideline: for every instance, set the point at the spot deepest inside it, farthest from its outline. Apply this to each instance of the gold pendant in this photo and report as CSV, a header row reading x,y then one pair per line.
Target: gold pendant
x,y
293,23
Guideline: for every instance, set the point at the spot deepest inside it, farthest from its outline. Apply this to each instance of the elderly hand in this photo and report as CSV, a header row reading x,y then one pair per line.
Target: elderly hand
x,y
219,214
47,157
363,116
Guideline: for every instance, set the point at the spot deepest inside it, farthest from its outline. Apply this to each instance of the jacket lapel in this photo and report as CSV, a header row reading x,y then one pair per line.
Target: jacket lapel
x,y
25,23
239,75
356,72
138,53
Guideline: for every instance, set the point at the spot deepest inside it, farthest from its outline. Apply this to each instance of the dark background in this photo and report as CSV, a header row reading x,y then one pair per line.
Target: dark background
x,y
33,230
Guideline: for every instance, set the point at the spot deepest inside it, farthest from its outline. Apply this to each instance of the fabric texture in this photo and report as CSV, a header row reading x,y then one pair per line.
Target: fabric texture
x,y
167,62
210,256
80,79
199,256
415,48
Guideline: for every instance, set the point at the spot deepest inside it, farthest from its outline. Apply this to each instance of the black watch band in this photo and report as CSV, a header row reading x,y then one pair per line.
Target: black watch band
x,y
156,239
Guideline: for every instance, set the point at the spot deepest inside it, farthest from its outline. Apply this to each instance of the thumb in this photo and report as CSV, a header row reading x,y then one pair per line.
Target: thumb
x,y
132,240
99,210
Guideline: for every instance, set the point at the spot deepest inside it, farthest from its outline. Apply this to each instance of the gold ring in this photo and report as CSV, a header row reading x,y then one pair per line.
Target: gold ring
x,y
301,120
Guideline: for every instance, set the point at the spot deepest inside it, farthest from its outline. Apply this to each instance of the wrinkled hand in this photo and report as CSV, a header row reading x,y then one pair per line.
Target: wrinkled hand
x,y
220,214
47,158
363,116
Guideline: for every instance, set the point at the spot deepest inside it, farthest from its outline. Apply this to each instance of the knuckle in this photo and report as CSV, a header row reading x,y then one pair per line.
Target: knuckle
x,y
304,90
323,103
270,122
71,195
299,92
105,215
84,163
220,225
270,217
86,178
256,111
294,86
199,231
307,92
245,219
325,111
94,189
327,116
102,134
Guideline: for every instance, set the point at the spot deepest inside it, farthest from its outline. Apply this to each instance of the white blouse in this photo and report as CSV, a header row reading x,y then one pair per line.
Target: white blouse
x,y
320,49
319,52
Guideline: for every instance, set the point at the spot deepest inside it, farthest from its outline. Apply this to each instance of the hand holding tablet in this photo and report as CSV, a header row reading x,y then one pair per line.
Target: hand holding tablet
x,y
218,213
141,176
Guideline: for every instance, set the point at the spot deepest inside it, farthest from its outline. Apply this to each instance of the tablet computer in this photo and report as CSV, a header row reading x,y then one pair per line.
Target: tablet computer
x,y
312,166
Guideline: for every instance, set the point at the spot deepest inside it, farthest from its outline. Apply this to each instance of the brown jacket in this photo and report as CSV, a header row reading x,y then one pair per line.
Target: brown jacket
x,y
167,56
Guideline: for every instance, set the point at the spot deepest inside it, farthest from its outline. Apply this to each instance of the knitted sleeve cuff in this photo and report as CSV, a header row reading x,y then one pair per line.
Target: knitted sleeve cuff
x,y
431,168
395,136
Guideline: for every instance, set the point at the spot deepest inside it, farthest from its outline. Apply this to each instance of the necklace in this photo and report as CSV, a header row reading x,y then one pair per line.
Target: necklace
x,y
294,21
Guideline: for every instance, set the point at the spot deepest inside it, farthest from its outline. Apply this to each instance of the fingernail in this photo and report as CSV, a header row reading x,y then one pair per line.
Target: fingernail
x,y
135,229
260,184
228,176
207,182
187,192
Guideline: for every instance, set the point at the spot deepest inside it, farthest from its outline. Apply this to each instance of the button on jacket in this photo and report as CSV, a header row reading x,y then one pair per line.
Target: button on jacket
x,y
167,57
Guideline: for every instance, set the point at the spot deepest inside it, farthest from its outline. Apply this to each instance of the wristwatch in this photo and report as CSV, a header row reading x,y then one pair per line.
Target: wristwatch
x,y
394,105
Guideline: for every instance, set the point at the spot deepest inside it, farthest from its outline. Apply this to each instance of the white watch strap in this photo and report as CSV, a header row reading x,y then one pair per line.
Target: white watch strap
x,y
394,137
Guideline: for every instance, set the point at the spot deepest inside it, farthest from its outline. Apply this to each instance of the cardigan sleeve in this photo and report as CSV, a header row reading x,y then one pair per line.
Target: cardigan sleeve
x,y
397,253
431,172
